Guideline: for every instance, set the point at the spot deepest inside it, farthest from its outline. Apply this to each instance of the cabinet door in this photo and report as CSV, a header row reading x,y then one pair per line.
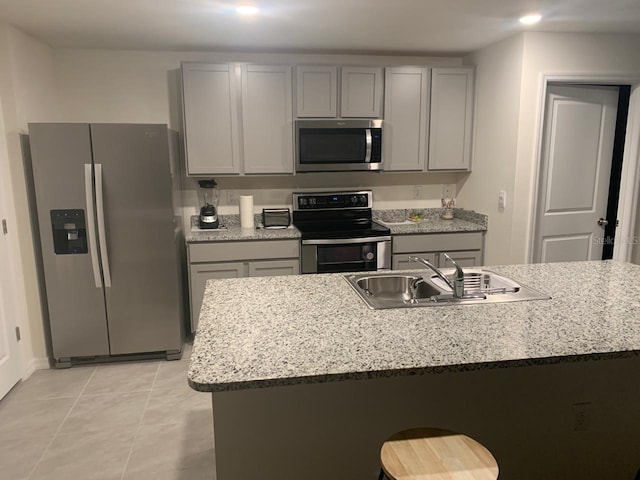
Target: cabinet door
x,y
402,262
361,92
316,91
464,259
267,119
271,268
198,276
450,119
406,102
212,143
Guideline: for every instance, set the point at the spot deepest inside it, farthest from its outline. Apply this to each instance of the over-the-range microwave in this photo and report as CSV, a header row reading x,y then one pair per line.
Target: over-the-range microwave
x,y
338,145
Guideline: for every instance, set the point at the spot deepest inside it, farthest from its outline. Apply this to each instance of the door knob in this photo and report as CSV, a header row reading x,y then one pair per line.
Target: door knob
x,y
603,222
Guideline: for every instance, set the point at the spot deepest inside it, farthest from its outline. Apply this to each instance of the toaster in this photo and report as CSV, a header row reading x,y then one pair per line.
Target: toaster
x,y
276,217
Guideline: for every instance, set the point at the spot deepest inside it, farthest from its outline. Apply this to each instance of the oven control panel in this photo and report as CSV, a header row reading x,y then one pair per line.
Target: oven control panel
x,y
333,201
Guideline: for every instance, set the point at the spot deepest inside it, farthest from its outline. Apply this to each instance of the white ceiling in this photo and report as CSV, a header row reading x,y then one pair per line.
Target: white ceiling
x,y
376,26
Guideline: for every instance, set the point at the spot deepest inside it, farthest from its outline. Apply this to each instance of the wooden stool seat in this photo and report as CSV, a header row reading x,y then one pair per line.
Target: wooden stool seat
x,y
434,454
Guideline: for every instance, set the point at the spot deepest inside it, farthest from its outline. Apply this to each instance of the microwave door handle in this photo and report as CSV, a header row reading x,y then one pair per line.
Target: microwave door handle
x,y
368,140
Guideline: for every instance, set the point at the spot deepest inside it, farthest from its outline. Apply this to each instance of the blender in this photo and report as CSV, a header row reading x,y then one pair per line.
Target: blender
x,y
209,195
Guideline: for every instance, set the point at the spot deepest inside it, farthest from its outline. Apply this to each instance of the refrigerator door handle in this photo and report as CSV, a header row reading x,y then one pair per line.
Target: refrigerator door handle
x,y
102,236
91,224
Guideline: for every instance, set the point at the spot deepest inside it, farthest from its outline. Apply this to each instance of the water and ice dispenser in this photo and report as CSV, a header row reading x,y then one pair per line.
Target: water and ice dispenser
x,y
69,232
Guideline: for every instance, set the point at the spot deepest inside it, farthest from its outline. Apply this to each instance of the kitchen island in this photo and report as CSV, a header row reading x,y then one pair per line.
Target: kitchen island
x,y
307,382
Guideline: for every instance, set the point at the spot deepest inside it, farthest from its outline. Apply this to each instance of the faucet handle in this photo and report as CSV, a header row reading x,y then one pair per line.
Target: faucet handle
x,y
459,278
459,271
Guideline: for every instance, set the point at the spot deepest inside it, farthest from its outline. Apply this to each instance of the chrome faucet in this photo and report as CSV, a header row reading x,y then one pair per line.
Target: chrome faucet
x,y
458,278
457,286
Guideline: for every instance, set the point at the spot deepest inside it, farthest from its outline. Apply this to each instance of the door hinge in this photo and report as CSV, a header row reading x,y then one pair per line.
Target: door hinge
x,y
18,336
4,226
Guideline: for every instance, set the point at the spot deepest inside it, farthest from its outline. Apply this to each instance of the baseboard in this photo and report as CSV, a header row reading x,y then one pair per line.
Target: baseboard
x,y
35,364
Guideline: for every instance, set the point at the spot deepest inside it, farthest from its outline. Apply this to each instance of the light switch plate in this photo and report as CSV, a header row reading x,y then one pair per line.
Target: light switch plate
x,y
502,199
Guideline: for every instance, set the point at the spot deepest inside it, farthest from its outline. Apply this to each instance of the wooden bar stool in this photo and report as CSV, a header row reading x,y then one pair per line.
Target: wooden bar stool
x,y
435,454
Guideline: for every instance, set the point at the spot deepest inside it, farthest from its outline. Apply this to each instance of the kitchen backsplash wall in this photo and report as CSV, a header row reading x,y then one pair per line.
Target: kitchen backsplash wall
x,y
390,190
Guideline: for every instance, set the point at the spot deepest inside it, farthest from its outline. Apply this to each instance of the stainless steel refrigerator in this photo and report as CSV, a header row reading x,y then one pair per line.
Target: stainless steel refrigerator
x,y
111,238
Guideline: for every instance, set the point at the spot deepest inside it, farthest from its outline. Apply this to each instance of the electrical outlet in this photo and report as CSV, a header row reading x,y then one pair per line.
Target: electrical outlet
x,y
502,199
417,192
232,197
581,416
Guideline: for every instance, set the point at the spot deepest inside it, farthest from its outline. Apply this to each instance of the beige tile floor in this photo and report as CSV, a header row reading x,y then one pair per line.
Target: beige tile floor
x,y
119,421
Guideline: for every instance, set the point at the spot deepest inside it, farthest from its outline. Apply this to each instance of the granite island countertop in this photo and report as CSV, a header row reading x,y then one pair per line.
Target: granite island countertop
x,y
272,331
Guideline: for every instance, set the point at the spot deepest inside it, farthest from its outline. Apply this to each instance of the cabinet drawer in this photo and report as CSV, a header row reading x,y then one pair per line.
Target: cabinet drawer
x,y
464,259
234,251
437,242
272,268
402,262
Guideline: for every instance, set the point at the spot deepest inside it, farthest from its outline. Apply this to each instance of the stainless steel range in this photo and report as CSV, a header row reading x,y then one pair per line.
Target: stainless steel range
x,y
338,233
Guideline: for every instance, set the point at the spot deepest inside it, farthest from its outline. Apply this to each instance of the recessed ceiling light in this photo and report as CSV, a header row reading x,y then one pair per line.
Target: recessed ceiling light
x,y
530,19
246,10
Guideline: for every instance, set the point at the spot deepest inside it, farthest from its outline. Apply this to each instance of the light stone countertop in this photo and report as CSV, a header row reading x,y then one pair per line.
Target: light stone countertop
x,y
435,225
232,231
275,331
464,221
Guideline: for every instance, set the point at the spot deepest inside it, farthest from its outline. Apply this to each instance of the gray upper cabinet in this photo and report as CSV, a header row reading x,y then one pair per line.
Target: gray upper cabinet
x,y
361,92
267,119
211,118
450,119
221,141
406,106
316,91
238,118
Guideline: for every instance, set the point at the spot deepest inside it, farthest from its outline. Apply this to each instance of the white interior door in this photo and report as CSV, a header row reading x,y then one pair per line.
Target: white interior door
x,y
9,359
575,170
10,363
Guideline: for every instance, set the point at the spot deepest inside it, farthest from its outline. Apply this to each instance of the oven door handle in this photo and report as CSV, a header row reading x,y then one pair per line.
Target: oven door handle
x,y
345,241
369,142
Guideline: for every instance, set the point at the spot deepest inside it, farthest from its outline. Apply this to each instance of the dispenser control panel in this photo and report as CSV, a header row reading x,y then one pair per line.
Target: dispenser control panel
x,y
69,232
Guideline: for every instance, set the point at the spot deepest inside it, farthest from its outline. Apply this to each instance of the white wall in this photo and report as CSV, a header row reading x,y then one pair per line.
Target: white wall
x,y
498,80
509,93
592,56
40,84
28,94
140,86
137,86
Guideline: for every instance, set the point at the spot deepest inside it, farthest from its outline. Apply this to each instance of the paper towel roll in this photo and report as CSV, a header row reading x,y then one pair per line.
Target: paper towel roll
x,y
246,211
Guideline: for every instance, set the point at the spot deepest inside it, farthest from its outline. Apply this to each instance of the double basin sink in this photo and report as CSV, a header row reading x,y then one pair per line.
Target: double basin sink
x,y
411,290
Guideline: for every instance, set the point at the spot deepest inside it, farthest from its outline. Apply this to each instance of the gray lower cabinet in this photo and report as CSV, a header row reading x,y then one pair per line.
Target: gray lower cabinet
x,y
465,248
470,258
273,268
237,259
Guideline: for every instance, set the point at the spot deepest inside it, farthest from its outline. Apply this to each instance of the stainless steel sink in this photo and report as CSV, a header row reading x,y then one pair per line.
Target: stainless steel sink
x,y
393,287
411,290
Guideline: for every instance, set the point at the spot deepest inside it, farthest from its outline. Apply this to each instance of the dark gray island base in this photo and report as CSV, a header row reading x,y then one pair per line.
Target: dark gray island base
x,y
307,382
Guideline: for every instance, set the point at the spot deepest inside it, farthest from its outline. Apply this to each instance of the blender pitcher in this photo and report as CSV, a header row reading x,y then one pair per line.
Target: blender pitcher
x,y
209,194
